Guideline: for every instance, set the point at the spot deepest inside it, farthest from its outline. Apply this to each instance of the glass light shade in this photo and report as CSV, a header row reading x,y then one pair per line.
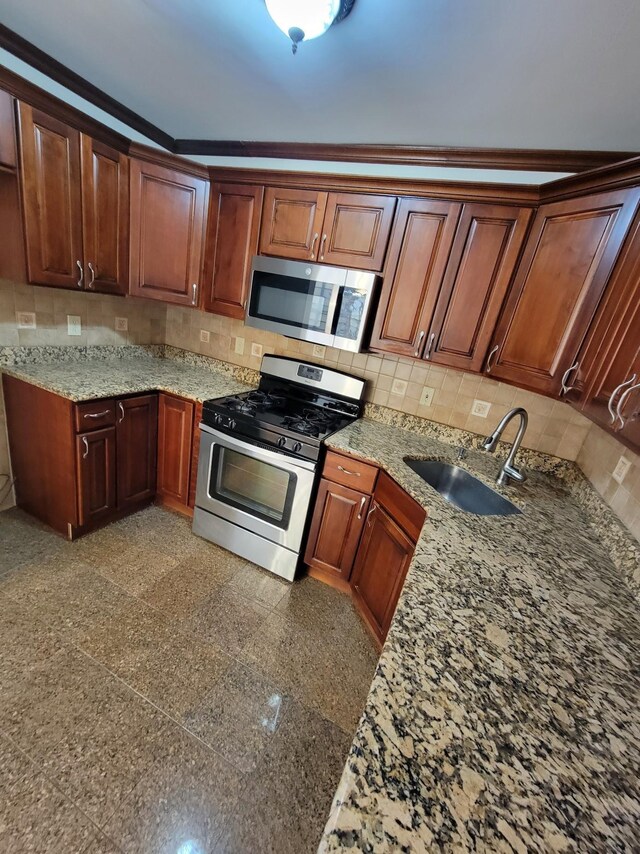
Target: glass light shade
x,y
312,17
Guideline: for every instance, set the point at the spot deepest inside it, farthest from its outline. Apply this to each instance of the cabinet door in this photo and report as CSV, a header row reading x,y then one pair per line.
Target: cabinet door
x,y
380,569
137,434
417,258
234,222
483,260
50,179
175,438
566,264
96,467
167,233
8,154
356,230
336,527
105,217
292,223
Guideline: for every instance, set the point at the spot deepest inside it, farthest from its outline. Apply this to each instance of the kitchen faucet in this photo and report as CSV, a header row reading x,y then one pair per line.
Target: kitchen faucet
x,y
508,470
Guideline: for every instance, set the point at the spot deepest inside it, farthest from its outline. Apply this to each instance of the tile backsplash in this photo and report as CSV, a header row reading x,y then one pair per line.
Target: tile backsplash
x,y
598,459
402,384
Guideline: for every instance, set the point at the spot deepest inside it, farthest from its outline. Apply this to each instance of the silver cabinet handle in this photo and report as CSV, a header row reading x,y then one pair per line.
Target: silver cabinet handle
x,y
623,399
86,448
313,244
420,337
96,414
121,419
93,274
194,293
346,471
615,392
490,357
363,501
432,338
324,240
81,276
373,507
565,379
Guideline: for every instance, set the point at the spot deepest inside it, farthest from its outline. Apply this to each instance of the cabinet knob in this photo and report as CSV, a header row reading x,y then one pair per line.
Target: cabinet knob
x,y
121,419
93,274
420,337
623,399
324,240
432,338
86,448
615,392
313,245
363,501
490,358
80,275
194,293
565,389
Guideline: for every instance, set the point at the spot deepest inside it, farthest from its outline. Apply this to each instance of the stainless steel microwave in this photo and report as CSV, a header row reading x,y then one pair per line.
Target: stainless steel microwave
x,y
325,305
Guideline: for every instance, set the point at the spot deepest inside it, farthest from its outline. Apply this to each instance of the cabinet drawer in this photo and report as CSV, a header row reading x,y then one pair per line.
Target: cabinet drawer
x,y
96,414
350,472
402,508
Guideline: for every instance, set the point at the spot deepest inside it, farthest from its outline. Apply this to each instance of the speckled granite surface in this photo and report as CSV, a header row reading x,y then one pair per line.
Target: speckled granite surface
x,y
89,378
504,714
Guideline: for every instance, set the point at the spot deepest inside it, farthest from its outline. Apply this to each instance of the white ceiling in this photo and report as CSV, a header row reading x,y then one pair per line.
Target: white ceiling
x,y
503,73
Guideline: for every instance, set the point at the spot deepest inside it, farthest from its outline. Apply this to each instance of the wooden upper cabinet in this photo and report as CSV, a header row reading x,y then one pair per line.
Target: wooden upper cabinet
x,y
482,263
137,438
175,438
571,250
168,211
346,229
233,230
292,222
356,230
8,151
105,217
418,254
52,199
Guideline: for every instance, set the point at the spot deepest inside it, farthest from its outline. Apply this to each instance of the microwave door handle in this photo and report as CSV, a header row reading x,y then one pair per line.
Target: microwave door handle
x,y
331,311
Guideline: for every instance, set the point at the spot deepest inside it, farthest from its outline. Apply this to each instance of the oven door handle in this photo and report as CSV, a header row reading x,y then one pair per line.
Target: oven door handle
x,y
246,446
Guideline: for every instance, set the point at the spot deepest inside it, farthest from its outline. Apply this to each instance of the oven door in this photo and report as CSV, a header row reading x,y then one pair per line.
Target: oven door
x,y
261,490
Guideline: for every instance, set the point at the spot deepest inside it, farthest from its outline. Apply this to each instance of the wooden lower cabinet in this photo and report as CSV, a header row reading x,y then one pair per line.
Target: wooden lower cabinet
x,y
137,438
175,442
96,466
335,531
363,543
380,569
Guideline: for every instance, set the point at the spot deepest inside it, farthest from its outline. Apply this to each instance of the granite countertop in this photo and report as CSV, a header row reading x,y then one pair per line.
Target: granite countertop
x,y
89,379
504,714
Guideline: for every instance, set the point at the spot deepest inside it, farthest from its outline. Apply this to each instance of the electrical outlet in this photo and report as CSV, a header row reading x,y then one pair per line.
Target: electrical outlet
x,y
74,324
426,398
319,350
26,319
122,324
256,350
239,346
399,387
621,469
480,408
204,336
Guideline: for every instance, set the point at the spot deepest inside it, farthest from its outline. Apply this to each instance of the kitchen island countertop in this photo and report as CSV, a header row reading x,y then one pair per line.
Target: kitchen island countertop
x,y
504,714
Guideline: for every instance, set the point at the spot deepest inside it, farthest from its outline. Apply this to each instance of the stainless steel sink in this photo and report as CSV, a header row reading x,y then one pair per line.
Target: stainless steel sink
x,y
464,490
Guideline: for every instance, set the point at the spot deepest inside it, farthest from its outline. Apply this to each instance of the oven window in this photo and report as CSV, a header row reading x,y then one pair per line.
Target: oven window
x,y
262,489
295,302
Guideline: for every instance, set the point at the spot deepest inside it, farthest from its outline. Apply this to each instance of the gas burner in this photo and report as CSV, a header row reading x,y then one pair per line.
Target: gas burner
x,y
242,405
266,399
310,422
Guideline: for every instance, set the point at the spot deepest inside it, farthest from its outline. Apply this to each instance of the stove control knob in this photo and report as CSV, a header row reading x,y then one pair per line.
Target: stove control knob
x,y
217,418
297,447
282,442
231,424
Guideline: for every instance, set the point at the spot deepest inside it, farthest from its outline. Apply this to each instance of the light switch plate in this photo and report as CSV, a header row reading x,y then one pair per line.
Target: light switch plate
x,y
426,398
621,469
74,324
256,350
480,408
319,350
122,324
204,336
239,346
26,319
399,387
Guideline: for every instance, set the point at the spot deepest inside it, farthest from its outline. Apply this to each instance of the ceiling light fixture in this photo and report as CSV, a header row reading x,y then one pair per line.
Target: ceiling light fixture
x,y
302,21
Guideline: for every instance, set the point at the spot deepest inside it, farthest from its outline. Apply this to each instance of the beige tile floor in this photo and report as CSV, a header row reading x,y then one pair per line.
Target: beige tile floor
x,y
158,694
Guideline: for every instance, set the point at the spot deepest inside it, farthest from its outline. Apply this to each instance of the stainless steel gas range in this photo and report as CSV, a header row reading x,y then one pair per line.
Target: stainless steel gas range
x,y
259,456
